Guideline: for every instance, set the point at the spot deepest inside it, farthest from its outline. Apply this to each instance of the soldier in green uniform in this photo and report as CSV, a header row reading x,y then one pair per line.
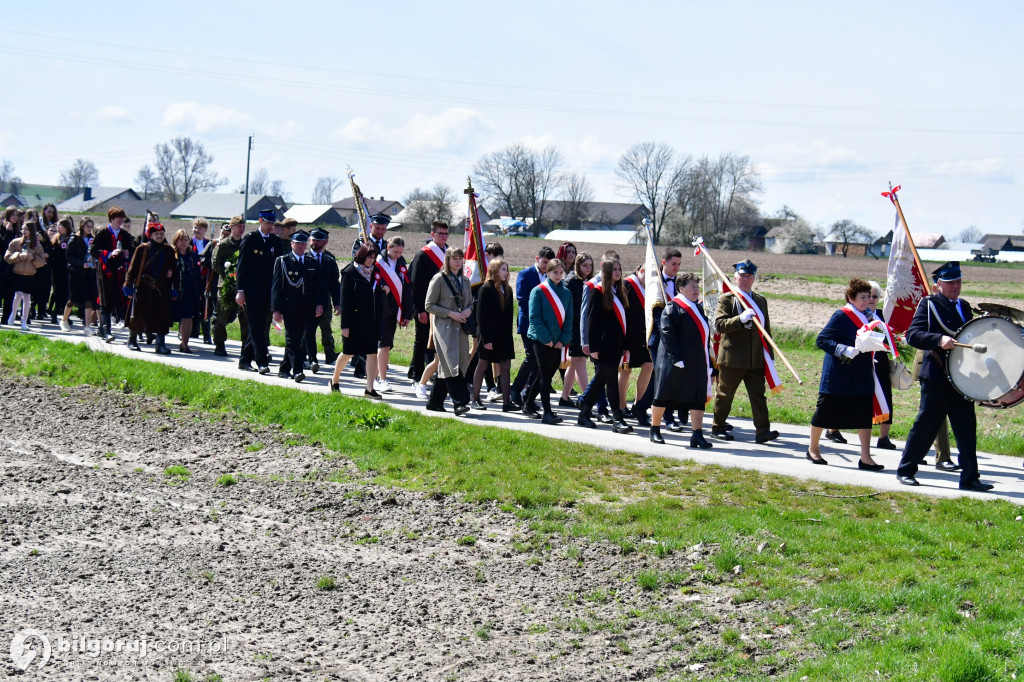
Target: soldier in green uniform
x,y
225,313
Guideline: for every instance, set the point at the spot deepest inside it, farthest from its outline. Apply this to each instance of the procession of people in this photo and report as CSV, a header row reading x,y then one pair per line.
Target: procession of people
x,y
581,315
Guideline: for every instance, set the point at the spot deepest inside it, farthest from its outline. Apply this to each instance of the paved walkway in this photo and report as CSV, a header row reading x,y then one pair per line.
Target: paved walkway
x,y
784,456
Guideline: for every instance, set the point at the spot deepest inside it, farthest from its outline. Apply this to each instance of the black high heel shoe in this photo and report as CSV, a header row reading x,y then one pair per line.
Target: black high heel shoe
x,y
820,460
868,467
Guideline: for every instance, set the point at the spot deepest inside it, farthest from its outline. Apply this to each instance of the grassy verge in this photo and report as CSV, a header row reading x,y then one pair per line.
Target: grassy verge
x,y
876,585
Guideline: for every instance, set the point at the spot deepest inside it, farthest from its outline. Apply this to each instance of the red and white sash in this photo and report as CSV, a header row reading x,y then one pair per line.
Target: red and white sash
x,y
879,407
705,331
435,252
770,373
638,288
392,280
620,314
556,305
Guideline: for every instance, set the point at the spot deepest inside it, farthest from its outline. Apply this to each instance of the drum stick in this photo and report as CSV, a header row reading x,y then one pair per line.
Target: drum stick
x,y
977,347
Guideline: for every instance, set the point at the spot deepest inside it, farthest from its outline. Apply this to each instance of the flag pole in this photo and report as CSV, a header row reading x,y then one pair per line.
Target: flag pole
x,y
699,242
657,268
910,238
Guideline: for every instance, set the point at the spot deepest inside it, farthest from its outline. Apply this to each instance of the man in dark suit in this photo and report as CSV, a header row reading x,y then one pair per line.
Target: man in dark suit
x,y
330,283
425,264
256,257
741,356
933,330
296,297
526,281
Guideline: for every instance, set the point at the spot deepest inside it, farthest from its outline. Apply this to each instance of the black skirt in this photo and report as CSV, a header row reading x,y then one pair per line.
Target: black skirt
x,y
82,287
843,411
679,405
576,351
359,344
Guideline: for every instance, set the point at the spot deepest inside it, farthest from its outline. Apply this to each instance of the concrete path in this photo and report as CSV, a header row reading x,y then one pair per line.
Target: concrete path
x,y
784,456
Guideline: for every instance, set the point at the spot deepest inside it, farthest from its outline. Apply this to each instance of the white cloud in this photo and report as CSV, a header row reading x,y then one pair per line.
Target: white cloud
x,y
984,170
804,161
114,114
205,118
454,129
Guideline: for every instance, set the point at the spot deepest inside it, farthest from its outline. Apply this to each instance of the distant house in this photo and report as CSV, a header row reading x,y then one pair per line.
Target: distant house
x,y
928,240
224,206
1003,242
316,214
137,207
619,237
410,217
87,200
597,215
347,208
876,247
7,200
37,196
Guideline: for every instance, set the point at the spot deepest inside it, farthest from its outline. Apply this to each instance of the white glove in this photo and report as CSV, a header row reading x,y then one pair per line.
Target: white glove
x,y
851,352
679,364
747,315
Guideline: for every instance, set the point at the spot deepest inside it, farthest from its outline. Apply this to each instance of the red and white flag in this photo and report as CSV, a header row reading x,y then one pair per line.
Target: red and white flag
x,y
474,247
904,287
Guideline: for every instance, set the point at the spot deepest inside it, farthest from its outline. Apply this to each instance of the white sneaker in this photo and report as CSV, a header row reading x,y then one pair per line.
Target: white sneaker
x,y
382,386
494,396
421,391
119,324
87,330
64,326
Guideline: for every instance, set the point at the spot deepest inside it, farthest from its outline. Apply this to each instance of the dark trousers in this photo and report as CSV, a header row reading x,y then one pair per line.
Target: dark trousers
x,y
644,402
60,293
605,382
594,392
421,355
526,370
257,348
729,379
294,344
6,298
41,290
548,360
940,400
323,323
456,386
223,315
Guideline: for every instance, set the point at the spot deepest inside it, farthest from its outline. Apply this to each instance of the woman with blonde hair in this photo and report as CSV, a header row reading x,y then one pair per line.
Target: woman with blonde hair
x,y
449,301
496,322
25,256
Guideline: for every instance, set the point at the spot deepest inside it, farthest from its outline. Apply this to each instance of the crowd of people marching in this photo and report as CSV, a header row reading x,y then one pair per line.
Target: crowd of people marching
x,y
573,308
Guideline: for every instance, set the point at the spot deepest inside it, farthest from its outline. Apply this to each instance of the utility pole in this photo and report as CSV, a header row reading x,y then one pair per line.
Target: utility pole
x,y
248,159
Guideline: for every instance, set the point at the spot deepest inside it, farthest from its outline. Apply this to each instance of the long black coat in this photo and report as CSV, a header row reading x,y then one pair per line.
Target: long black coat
x,y
636,329
360,312
150,311
575,286
681,340
110,271
604,332
255,270
495,324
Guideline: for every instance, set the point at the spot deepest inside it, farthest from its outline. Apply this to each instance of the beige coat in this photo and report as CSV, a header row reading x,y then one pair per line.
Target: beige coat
x,y
20,266
450,342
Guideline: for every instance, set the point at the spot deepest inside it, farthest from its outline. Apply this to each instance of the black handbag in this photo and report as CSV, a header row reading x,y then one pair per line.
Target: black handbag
x,y
469,326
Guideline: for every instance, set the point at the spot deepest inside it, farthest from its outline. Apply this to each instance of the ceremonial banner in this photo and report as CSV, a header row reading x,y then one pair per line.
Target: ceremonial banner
x,y
652,272
474,246
905,282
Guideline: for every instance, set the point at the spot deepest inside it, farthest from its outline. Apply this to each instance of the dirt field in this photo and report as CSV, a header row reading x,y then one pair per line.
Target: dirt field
x,y
98,542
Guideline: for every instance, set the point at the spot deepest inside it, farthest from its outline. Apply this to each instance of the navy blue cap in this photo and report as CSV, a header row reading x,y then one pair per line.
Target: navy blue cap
x,y
746,267
269,216
300,237
380,218
947,272
318,234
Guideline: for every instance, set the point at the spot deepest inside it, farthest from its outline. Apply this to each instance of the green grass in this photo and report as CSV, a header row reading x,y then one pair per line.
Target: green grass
x,y
226,480
914,588
326,583
177,472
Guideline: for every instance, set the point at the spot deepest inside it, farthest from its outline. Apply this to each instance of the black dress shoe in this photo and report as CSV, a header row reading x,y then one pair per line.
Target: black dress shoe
x,y
220,352
765,436
656,435
947,466
283,375
245,366
868,467
835,437
477,405
335,388
604,418
550,419
814,460
565,402
675,427
885,444
728,426
298,378
698,441
723,434
461,409
435,408
532,414
264,369
314,367
585,421
977,486
133,344
628,412
509,407
373,395
642,419
907,480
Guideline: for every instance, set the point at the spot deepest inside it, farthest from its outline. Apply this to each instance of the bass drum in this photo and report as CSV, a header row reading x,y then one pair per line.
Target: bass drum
x,y
994,378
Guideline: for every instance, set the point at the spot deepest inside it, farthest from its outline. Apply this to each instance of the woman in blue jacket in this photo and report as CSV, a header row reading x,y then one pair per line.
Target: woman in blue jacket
x,y
550,331
847,389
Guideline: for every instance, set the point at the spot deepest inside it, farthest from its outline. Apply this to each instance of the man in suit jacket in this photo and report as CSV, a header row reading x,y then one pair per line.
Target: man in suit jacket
x,y
526,281
933,329
256,257
741,355
425,264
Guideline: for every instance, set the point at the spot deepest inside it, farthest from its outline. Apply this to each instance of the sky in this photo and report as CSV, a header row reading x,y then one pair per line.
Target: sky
x,y
831,101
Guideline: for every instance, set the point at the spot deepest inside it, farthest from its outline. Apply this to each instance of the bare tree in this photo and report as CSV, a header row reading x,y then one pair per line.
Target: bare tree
x,y
520,181
847,231
796,234
970,234
323,191
183,168
147,182
727,187
650,175
577,195
9,182
424,207
82,174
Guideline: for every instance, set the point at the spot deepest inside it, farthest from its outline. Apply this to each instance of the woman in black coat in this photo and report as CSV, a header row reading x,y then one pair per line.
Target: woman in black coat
x,y
845,395
82,288
636,340
682,378
495,324
575,282
360,317
606,332
59,268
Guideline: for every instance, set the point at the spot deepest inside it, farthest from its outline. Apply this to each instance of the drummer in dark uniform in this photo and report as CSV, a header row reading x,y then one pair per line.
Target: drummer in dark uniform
x,y
256,257
296,296
933,329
